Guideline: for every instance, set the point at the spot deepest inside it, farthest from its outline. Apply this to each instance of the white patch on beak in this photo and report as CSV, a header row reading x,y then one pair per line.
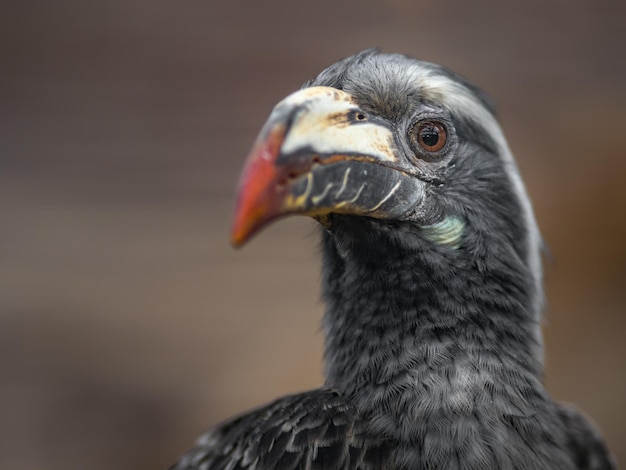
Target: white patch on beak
x,y
326,124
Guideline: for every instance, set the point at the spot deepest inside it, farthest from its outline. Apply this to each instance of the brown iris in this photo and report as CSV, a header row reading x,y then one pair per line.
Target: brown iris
x,y
431,136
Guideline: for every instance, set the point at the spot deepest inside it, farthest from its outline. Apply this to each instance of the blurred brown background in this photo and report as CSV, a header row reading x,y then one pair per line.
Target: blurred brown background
x,y
128,324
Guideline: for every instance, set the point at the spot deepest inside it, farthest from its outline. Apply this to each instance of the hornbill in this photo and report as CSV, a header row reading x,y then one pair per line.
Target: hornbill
x,y
432,283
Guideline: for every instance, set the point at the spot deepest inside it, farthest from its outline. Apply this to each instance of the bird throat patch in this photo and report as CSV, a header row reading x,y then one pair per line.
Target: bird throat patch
x,y
448,232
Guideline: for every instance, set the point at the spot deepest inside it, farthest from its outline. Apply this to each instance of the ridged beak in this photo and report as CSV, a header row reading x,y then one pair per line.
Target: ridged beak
x,y
318,154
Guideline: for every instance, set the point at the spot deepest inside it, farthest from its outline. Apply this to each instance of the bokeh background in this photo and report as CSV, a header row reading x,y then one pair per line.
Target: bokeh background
x,y
127,322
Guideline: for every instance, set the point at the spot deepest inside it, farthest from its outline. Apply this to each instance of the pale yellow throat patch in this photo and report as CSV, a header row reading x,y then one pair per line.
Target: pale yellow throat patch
x,y
448,232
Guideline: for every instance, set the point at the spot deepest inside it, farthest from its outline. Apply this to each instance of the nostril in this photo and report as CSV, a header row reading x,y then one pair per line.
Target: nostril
x,y
317,159
292,175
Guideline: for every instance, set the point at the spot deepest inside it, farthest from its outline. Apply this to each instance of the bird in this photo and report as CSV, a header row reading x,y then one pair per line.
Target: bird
x,y
431,280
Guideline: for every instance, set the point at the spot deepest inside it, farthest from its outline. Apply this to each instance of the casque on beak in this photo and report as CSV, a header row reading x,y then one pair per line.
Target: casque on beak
x,y
318,154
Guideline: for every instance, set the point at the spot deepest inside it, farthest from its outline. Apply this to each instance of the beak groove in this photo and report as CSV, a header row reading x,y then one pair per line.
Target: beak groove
x,y
312,158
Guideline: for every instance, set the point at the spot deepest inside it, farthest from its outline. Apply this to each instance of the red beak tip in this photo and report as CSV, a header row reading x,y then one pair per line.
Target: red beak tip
x,y
239,237
236,242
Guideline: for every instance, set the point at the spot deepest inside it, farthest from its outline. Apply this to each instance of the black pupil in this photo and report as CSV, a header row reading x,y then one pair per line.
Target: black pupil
x,y
430,135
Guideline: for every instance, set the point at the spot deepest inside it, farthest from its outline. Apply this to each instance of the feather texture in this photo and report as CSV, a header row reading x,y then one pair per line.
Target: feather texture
x,y
434,354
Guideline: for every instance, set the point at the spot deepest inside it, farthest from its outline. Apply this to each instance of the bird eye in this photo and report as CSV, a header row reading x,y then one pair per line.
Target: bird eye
x,y
429,136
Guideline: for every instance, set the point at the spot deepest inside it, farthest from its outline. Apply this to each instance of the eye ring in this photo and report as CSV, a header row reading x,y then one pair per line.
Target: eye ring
x,y
429,138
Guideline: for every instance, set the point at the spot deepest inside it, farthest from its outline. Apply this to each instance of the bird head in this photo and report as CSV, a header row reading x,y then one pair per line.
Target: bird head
x,y
386,142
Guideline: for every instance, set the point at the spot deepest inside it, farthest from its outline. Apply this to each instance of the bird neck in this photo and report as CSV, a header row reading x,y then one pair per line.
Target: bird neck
x,y
439,327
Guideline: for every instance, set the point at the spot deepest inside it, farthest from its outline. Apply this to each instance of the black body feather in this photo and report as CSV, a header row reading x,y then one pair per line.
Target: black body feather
x,y
433,353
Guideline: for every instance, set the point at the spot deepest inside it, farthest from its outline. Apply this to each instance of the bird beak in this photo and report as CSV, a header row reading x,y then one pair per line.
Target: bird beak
x,y
318,154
